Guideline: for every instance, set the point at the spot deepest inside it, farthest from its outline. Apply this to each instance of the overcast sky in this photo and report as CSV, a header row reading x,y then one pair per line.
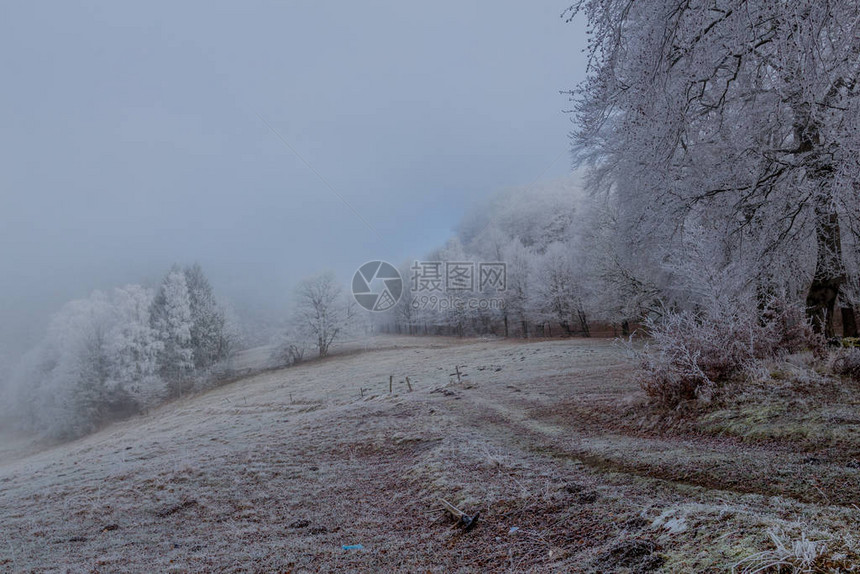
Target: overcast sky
x,y
134,135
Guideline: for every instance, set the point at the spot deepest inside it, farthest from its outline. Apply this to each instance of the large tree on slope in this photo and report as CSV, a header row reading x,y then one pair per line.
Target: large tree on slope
x,y
736,117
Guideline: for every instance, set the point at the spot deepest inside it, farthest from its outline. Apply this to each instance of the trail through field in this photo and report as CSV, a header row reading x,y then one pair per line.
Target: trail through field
x,y
280,471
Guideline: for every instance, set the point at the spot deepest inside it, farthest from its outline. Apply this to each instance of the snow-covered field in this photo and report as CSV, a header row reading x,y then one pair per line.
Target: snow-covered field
x,y
279,471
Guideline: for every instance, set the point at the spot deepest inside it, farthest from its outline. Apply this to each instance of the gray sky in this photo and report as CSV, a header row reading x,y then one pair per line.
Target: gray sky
x,y
131,137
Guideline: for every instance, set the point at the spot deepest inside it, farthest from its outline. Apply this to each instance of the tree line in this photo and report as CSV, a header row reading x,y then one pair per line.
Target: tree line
x,y
539,234
118,353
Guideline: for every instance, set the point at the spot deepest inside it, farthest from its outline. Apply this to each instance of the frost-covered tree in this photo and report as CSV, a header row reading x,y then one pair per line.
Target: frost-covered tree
x,y
517,227
517,295
172,320
134,346
322,313
739,118
537,215
407,314
458,287
210,339
109,356
95,364
72,390
623,286
559,291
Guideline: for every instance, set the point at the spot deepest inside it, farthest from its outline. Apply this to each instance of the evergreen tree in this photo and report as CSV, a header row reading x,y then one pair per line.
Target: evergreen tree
x,y
209,340
171,319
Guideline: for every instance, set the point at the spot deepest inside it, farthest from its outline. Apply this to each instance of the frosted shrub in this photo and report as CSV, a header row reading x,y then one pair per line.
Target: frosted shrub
x,y
788,331
847,364
691,355
287,354
801,555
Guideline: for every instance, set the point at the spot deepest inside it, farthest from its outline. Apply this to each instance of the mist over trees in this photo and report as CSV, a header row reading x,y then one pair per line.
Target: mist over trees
x,y
115,354
721,159
543,234
719,207
719,149
539,232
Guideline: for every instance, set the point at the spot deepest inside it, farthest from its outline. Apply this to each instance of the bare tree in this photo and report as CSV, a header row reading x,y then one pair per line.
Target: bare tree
x,y
322,313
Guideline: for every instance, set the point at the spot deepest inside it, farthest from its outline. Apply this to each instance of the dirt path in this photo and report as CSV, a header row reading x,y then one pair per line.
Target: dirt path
x,y
278,472
568,428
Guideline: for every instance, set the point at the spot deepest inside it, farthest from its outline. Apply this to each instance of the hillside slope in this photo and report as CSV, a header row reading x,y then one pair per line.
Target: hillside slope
x,y
277,472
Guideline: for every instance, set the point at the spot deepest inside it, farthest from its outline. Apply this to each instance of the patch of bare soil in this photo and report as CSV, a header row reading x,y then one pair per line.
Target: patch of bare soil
x,y
319,468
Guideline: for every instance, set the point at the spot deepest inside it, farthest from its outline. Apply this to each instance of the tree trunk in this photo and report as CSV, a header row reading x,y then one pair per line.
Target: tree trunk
x,y
583,322
828,278
566,326
849,322
829,267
